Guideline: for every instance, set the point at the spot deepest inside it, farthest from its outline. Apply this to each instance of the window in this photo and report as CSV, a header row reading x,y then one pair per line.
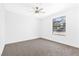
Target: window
x,y
59,25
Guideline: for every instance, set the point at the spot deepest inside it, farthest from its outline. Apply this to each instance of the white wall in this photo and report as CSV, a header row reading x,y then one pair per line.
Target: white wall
x,y
20,27
72,28
2,28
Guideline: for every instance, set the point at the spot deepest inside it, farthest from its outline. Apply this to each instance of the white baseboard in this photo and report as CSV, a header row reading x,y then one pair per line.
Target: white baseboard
x,y
28,38
1,49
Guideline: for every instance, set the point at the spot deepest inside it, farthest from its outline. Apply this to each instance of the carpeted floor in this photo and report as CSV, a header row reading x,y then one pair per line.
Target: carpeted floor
x,y
39,47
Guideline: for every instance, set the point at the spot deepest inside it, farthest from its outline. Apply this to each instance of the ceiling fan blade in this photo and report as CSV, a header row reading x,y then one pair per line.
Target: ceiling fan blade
x,y
42,11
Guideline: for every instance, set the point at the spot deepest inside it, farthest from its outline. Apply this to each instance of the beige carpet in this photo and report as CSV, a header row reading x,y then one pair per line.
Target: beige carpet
x,y
39,47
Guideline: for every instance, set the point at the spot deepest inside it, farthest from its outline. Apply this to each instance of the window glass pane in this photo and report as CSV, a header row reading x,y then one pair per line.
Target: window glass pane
x,y
59,24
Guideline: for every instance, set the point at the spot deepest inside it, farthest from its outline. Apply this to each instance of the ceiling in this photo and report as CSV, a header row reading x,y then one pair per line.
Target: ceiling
x,y
27,8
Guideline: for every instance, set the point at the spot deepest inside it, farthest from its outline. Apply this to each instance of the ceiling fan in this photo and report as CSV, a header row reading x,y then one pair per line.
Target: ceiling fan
x,y
38,10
